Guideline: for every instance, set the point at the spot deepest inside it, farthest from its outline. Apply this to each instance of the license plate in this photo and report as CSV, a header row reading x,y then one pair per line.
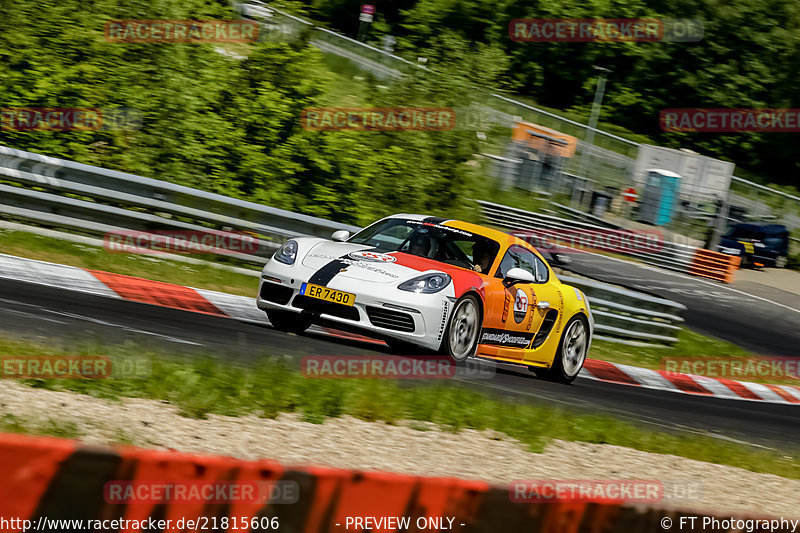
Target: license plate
x,y
329,295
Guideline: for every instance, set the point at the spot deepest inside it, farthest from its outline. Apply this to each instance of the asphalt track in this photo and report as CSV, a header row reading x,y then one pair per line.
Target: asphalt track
x,y
767,323
48,314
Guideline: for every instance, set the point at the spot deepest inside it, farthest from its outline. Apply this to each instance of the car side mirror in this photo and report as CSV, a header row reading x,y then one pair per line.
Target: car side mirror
x,y
340,235
518,275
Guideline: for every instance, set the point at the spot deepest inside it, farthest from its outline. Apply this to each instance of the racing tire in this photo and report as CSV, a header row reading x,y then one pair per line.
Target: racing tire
x,y
781,261
571,353
461,337
287,321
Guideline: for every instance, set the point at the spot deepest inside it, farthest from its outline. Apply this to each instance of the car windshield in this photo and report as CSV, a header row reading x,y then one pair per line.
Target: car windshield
x,y
742,232
757,233
431,240
774,241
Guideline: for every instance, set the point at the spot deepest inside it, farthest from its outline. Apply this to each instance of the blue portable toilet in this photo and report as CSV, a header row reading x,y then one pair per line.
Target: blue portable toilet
x,y
662,192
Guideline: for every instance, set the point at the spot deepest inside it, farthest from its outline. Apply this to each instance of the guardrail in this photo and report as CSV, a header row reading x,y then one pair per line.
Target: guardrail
x,y
623,315
94,201
671,255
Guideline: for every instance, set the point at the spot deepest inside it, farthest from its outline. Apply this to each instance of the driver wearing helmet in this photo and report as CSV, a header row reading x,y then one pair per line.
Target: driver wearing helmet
x,y
481,257
420,245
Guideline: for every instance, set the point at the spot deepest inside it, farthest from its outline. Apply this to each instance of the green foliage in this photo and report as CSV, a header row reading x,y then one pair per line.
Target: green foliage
x,y
233,126
794,262
748,57
52,427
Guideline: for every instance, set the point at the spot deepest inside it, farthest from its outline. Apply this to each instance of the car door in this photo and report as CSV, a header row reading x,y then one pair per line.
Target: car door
x,y
512,317
547,304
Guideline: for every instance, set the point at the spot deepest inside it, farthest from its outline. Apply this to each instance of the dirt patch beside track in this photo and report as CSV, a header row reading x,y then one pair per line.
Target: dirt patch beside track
x,y
411,448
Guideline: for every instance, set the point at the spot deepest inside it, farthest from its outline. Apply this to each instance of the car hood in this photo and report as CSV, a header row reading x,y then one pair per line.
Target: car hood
x,y
363,262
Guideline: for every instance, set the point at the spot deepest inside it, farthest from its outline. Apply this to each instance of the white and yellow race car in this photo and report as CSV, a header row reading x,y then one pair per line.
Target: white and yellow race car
x,y
415,281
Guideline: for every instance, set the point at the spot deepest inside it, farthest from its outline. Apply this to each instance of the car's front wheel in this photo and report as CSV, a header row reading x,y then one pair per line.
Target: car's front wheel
x,y
461,338
571,353
288,321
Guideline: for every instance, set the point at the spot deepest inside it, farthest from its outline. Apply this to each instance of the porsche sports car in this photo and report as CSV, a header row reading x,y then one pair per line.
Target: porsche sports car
x,y
427,282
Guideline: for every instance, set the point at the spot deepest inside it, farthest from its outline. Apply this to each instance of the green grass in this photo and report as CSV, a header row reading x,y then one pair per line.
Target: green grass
x,y
204,385
690,344
347,84
794,262
148,266
10,423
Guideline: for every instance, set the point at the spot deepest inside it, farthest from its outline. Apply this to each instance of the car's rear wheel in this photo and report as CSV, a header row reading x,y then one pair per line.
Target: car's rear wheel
x,y
461,337
571,353
288,321
781,261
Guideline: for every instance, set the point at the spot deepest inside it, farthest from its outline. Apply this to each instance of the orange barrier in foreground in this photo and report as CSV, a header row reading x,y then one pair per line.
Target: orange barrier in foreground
x,y
61,479
714,265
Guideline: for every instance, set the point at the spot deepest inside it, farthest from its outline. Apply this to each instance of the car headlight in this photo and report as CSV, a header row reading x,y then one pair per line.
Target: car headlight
x,y
287,253
428,283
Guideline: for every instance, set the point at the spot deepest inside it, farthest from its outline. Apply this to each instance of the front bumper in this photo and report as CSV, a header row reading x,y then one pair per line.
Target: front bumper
x,y
380,310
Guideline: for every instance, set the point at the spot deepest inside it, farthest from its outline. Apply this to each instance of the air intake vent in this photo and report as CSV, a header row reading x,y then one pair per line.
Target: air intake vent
x,y
547,326
279,294
389,319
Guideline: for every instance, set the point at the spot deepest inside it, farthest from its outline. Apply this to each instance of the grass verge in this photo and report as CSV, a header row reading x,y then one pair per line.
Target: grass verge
x,y
690,344
23,244
10,423
148,266
204,385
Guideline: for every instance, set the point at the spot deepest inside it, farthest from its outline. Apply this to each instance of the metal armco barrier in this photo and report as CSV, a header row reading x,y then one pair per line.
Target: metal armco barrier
x,y
671,256
117,201
714,265
113,201
621,314
49,479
